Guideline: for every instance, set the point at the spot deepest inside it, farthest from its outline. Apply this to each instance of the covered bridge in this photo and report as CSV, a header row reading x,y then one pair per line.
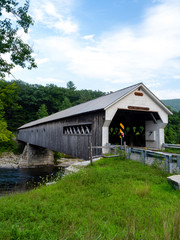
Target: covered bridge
x,y
70,131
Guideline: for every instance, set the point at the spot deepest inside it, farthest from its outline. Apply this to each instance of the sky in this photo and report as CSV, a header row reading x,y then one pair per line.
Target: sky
x,y
105,45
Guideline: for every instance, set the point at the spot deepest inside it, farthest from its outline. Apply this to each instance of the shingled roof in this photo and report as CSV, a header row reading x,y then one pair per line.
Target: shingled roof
x,y
101,103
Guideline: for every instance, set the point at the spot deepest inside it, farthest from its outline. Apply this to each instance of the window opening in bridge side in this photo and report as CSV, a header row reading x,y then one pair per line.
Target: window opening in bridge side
x,y
82,129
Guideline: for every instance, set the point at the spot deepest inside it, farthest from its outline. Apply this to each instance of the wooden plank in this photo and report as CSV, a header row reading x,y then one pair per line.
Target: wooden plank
x,y
50,135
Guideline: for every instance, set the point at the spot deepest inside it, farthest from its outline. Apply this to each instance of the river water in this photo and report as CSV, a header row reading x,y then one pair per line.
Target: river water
x,y
23,179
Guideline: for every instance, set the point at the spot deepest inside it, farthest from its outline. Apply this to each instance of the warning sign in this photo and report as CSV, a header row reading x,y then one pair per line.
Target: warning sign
x,y
122,126
121,130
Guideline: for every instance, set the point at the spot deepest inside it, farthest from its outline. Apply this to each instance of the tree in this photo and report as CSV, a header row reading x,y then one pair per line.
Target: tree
x,y
71,86
10,43
5,134
8,94
65,104
23,100
9,98
42,112
172,130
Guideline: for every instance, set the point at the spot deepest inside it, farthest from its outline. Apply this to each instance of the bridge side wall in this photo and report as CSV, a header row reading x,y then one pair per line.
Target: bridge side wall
x,y
50,135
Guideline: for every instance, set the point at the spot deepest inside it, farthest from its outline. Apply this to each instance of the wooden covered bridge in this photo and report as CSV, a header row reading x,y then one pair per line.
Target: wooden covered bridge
x,y
70,131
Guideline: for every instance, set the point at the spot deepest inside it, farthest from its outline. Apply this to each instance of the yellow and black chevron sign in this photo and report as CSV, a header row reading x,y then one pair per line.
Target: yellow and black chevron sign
x,y
121,130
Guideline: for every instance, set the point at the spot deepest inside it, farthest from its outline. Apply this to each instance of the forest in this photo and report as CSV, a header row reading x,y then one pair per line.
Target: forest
x,y
21,102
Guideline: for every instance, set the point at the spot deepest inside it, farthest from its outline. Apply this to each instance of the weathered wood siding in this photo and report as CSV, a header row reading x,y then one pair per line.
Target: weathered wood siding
x,y
50,135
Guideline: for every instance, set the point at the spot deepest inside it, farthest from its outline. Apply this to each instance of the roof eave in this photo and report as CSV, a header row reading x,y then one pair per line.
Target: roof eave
x,y
158,101
126,94
53,120
162,105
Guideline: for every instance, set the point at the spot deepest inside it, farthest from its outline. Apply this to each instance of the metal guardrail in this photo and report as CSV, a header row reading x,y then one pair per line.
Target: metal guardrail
x,y
167,158
168,145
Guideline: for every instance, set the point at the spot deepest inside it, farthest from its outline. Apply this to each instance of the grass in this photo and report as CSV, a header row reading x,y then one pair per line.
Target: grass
x,y
172,150
113,199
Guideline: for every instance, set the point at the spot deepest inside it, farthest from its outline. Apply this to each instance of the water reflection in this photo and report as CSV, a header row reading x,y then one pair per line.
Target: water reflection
x,y
12,180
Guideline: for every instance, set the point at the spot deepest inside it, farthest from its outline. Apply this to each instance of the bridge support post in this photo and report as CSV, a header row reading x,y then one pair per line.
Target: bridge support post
x,y
155,134
34,156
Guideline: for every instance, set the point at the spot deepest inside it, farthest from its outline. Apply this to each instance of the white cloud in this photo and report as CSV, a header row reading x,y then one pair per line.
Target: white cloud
x,y
154,84
41,60
14,71
167,94
5,14
55,17
24,36
38,14
50,9
147,52
66,26
89,37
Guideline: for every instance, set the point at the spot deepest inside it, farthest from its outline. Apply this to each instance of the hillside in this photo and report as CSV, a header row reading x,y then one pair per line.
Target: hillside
x,y
174,104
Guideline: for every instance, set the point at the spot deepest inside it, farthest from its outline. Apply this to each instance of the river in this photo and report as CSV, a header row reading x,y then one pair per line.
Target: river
x,y
23,179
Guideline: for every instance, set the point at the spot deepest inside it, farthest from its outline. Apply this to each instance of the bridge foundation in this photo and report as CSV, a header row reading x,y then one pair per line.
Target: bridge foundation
x,y
34,156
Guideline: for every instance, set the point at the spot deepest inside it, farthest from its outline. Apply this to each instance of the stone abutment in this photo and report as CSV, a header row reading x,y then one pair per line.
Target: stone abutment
x,y
34,156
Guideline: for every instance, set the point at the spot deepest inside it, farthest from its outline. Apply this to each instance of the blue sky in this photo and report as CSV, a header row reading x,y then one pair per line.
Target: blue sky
x,y
106,44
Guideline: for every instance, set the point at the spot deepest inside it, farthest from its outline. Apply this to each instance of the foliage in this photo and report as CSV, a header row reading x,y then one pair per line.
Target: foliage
x,y
7,142
58,156
10,43
8,96
32,96
65,104
172,130
71,86
113,199
5,134
42,112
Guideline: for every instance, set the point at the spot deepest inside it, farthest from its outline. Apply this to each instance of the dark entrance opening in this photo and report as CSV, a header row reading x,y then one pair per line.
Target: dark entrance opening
x,y
134,126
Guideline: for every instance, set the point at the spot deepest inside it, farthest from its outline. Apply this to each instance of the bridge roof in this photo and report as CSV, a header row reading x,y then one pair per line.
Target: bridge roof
x,y
101,103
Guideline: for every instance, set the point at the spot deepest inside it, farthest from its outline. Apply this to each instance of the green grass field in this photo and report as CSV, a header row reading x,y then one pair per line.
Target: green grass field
x,y
113,199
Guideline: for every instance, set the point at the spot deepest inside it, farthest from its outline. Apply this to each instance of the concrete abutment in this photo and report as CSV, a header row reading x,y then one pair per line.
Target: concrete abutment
x,y
34,156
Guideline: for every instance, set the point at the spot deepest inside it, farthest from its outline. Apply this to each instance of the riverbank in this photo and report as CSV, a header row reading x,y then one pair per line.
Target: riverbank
x,y
9,160
73,165
16,179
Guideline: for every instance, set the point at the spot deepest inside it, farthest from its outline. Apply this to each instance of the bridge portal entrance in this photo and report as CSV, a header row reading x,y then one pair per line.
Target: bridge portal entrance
x,y
134,126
